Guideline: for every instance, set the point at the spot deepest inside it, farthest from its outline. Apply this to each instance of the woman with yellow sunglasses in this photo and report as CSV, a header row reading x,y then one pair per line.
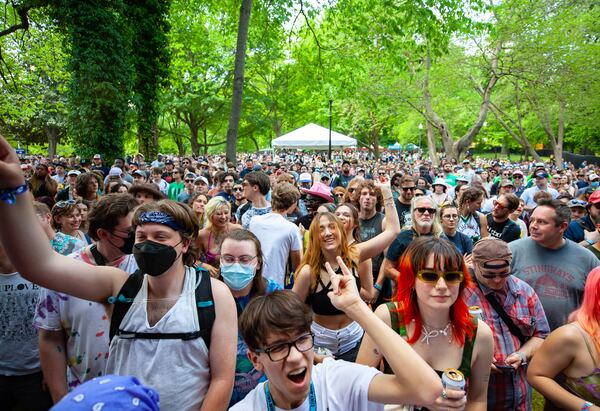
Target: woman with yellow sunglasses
x,y
431,314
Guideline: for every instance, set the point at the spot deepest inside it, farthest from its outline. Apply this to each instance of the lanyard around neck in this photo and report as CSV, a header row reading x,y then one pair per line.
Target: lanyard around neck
x,y
312,398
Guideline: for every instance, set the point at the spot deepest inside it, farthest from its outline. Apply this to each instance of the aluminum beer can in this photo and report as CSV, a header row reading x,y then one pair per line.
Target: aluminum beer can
x,y
452,379
476,311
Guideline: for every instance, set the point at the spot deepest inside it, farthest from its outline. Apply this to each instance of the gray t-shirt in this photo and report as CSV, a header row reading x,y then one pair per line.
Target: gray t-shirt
x,y
557,276
19,354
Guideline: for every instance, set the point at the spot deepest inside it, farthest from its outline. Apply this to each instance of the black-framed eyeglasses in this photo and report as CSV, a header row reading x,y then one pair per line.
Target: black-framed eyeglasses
x,y
242,259
280,352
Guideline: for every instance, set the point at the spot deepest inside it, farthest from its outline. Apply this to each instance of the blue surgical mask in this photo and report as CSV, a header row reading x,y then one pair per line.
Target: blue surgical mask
x,y
595,184
237,276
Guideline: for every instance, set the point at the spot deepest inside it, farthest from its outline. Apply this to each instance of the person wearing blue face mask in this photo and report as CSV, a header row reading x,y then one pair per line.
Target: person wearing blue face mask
x,y
241,270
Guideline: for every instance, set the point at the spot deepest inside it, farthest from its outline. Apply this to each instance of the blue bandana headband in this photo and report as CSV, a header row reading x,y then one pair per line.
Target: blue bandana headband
x,y
158,217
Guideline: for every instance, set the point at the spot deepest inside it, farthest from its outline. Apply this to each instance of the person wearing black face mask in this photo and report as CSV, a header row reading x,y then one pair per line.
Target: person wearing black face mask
x,y
188,373
73,331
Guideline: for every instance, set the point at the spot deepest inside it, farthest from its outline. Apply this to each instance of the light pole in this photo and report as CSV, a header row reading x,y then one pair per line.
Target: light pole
x,y
420,134
329,152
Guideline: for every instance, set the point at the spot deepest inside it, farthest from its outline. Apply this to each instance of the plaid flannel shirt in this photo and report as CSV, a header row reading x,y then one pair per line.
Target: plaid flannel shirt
x,y
510,391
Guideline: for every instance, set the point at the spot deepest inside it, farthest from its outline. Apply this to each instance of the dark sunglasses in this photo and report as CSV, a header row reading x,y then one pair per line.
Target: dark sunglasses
x,y
450,277
492,276
238,189
408,188
422,210
189,181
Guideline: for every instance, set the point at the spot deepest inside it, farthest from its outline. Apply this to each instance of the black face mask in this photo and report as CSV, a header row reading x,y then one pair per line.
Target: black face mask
x,y
128,242
154,258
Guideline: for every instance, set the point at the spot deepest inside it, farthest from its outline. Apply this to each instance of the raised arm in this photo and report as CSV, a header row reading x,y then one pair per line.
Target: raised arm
x,y
29,250
377,244
414,381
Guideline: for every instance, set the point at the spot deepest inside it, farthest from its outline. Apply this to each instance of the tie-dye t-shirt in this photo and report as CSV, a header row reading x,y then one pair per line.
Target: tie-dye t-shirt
x,y
65,244
85,323
246,376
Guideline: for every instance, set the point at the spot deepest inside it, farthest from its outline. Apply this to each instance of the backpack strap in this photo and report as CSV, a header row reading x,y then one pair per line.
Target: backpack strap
x,y
205,307
123,301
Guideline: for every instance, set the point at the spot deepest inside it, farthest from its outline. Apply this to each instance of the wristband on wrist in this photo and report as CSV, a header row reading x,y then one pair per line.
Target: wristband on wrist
x,y
591,242
377,287
586,406
9,195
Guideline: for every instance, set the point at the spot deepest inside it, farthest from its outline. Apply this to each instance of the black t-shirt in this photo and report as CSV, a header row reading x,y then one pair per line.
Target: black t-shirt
x,y
403,213
506,231
400,243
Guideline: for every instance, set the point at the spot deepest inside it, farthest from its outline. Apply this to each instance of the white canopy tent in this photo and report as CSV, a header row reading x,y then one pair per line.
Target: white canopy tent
x,y
313,137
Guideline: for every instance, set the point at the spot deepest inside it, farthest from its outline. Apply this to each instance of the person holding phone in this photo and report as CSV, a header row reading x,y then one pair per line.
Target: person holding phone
x,y
515,314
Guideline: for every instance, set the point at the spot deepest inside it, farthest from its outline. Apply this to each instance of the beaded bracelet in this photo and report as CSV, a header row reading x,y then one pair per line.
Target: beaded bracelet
x,y
9,195
586,406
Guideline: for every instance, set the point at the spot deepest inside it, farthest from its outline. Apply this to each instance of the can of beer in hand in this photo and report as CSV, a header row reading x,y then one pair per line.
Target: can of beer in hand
x,y
476,311
452,379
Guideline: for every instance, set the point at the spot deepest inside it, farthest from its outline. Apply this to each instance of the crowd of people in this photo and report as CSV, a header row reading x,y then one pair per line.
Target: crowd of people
x,y
290,281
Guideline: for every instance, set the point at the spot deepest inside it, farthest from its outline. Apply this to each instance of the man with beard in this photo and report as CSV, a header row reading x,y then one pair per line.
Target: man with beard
x,y
449,176
423,222
227,181
407,192
342,179
499,223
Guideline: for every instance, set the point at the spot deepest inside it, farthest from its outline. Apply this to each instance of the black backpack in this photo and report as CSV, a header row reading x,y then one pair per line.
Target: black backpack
x,y
204,304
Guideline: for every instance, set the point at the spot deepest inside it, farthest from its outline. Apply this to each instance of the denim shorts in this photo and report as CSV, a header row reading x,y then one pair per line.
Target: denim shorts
x,y
337,341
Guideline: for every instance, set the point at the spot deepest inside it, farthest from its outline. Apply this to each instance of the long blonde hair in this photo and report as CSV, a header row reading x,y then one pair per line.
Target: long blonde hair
x,y
314,257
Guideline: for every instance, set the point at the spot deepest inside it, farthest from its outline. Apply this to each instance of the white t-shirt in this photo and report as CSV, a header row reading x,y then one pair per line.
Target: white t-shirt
x,y
86,325
278,238
178,370
339,386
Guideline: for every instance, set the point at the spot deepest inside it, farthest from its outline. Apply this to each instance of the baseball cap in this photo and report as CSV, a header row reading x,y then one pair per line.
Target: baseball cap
x,y
139,173
115,171
518,172
541,174
190,175
461,177
201,178
304,178
576,203
169,162
506,183
594,197
593,177
97,157
465,161
491,248
73,173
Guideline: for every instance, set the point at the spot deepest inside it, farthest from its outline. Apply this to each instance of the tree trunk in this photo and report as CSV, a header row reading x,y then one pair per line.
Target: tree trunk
x,y
431,145
52,135
205,140
194,138
238,80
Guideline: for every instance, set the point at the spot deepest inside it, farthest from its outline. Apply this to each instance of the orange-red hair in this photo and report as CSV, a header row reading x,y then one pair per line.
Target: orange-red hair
x,y
414,259
588,315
